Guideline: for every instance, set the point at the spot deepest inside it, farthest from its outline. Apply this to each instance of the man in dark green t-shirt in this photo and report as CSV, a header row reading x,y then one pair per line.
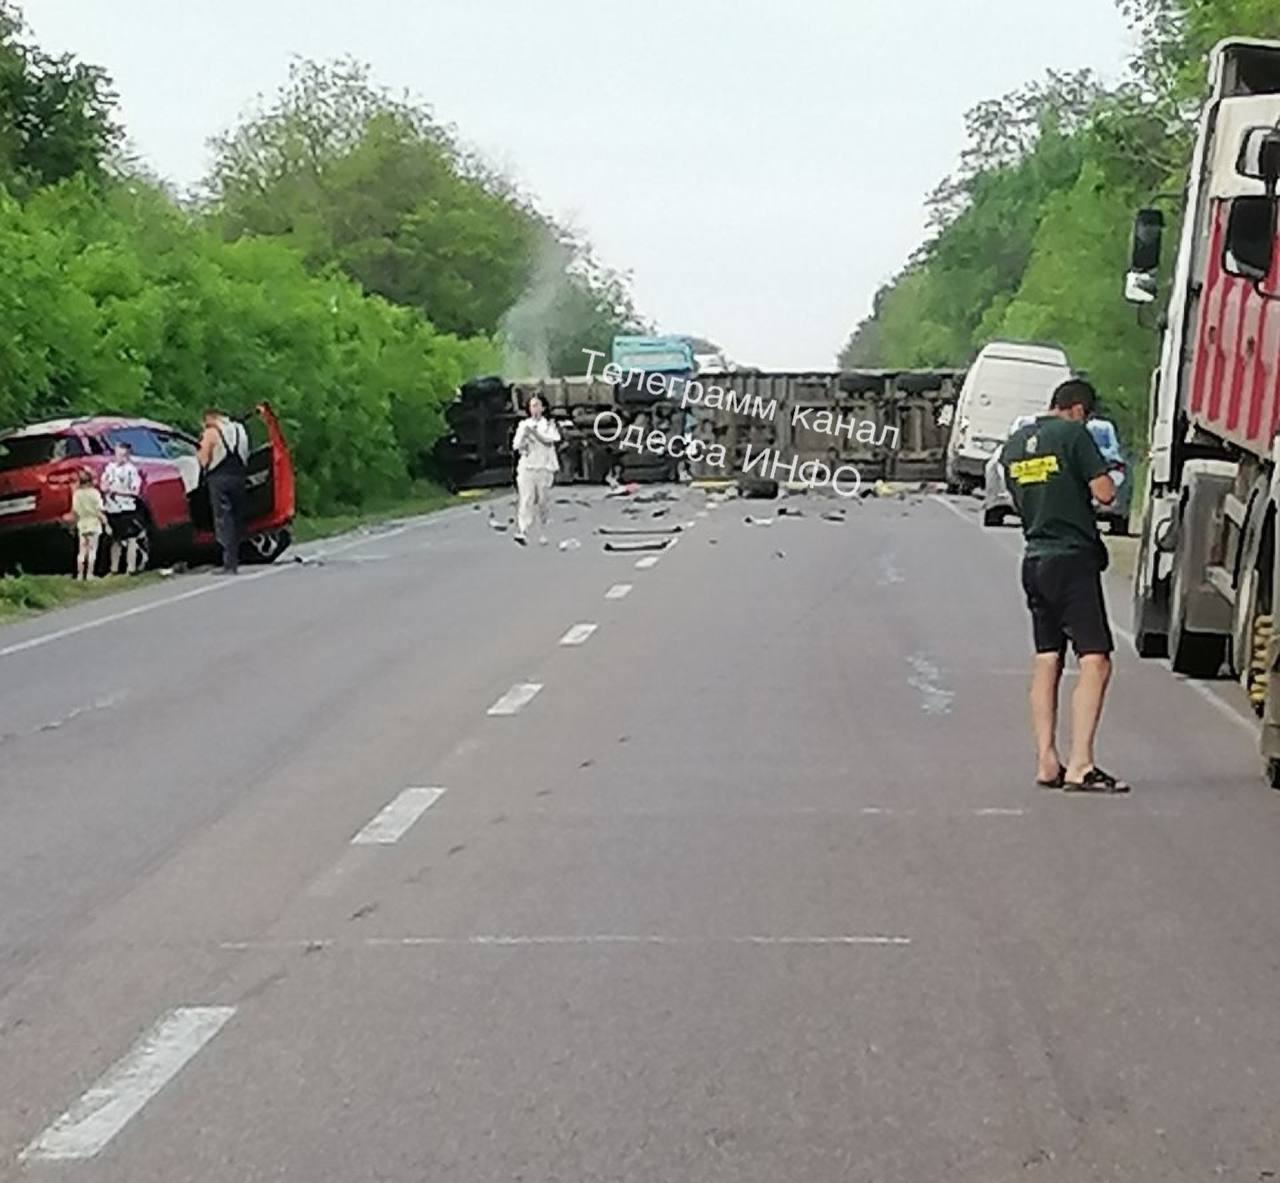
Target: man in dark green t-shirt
x,y
1055,473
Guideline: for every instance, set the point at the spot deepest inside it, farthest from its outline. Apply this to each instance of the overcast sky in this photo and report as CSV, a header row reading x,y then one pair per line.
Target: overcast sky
x,y
757,166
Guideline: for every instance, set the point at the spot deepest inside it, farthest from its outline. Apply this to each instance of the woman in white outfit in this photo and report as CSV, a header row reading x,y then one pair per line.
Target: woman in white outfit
x,y
535,444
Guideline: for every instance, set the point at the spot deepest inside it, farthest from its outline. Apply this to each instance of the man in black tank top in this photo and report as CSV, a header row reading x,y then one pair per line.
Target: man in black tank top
x,y
224,456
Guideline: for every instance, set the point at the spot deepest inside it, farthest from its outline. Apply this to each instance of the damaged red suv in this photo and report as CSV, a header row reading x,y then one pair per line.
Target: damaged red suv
x,y
39,464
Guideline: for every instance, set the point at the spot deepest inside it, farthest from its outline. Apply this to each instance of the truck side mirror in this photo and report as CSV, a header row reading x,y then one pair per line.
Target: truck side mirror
x,y
1148,239
1251,238
1140,287
1260,156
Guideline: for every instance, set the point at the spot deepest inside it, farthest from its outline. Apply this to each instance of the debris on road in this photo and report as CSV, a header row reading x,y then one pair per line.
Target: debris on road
x,y
785,511
750,521
757,488
629,547
571,544
834,515
654,497
631,531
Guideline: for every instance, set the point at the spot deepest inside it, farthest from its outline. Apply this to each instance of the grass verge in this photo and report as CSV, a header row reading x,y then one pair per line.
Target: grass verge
x,y
425,498
26,595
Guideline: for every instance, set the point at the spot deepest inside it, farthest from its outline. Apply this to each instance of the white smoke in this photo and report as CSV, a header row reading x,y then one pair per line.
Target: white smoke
x,y
526,329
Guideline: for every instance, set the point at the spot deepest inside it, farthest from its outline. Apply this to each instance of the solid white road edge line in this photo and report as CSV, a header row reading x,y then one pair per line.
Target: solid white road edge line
x,y
98,622
618,591
1224,708
151,605
126,1088
515,699
943,501
394,821
508,941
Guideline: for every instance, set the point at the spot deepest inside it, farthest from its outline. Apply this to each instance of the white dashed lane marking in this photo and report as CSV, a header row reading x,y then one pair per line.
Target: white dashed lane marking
x,y
516,699
394,821
619,591
578,634
121,1094
646,563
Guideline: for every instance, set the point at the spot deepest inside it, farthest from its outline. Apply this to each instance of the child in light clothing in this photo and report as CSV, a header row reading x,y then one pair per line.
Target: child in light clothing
x,y
89,517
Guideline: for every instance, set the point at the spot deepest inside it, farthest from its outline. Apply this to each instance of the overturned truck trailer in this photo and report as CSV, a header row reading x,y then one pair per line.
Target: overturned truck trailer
x,y
890,417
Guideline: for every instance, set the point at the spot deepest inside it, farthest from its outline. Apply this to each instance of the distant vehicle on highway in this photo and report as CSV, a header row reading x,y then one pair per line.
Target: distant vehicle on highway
x,y
39,464
1008,379
997,501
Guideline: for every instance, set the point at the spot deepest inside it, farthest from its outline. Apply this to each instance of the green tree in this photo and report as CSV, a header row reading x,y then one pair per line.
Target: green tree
x,y
371,183
56,114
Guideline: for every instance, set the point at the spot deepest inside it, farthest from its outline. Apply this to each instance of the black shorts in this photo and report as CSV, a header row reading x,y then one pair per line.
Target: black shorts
x,y
1064,593
125,524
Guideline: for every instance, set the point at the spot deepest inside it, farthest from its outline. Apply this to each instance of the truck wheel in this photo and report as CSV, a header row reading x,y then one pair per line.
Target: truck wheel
x,y
1257,674
1120,527
1273,773
993,517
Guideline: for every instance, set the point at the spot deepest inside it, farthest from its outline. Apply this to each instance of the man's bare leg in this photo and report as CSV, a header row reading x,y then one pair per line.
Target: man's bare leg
x,y
1046,675
1086,712
116,551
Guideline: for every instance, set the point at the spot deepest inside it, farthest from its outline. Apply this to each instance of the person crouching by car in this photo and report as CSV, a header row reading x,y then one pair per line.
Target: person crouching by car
x,y
121,489
224,456
535,443
89,519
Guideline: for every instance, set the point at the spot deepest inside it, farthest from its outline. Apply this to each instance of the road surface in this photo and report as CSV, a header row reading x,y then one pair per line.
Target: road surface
x,y
442,860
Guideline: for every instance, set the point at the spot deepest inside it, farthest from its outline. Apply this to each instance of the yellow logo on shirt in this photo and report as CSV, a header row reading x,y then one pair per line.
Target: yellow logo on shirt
x,y
1034,472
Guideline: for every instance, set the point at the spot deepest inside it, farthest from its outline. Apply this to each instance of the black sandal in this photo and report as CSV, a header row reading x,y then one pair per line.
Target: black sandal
x,y
1057,782
1097,781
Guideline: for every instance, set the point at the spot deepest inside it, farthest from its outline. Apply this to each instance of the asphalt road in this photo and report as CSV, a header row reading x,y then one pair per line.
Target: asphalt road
x,y
754,885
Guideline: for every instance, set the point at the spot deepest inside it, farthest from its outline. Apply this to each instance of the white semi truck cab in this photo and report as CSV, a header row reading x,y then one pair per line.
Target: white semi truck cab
x,y
1207,582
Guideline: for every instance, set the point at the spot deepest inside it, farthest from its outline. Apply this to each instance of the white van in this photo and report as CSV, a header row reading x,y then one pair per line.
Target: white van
x,y
1007,380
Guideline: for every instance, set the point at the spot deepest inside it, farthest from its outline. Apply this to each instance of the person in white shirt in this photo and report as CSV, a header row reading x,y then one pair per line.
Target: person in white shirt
x,y
535,443
121,488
